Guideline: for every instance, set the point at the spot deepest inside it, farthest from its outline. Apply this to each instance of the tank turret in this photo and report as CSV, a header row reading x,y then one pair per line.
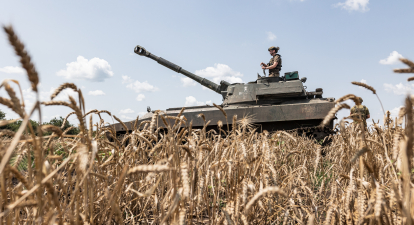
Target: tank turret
x,y
265,90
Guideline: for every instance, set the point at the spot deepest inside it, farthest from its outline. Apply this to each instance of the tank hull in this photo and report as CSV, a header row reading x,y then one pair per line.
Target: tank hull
x,y
295,114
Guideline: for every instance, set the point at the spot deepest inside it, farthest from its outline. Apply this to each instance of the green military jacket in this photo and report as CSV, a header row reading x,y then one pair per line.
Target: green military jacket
x,y
363,111
275,71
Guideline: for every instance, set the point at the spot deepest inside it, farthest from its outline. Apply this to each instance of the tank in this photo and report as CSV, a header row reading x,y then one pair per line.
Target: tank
x,y
272,103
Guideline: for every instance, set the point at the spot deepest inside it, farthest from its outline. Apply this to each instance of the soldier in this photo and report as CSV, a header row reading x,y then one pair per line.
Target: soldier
x,y
275,63
361,110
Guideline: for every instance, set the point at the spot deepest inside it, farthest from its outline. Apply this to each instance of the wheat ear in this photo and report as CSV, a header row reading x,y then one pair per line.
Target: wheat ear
x,y
63,87
24,56
365,86
408,63
149,168
52,128
332,113
349,96
6,102
371,89
17,107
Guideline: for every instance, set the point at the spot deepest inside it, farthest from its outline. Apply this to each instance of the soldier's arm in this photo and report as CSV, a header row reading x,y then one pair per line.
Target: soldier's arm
x,y
368,115
274,64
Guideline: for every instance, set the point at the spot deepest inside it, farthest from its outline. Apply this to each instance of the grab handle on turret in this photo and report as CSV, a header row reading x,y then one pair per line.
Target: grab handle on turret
x,y
203,81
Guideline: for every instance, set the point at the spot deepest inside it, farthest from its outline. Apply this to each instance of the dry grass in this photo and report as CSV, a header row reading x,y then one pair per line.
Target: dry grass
x,y
193,176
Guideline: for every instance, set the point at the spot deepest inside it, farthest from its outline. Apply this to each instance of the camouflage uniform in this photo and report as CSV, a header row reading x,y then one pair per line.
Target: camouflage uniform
x,y
363,111
275,72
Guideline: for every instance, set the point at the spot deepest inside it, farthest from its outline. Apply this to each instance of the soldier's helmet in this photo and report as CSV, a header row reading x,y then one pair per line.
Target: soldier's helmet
x,y
273,48
360,100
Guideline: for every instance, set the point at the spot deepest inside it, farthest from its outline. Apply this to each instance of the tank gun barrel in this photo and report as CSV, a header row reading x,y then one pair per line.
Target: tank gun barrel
x,y
203,81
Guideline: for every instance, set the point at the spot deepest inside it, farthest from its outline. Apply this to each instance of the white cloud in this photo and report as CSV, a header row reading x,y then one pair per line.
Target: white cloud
x,y
395,111
96,93
220,72
128,118
126,111
399,89
216,74
138,86
30,96
354,5
271,36
141,113
126,79
140,97
12,69
191,101
187,82
392,59
96,70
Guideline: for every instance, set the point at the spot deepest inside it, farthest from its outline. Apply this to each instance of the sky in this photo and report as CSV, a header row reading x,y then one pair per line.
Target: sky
x,y
90,44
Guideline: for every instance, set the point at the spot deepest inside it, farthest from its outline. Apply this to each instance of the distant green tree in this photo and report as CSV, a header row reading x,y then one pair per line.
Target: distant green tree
x,y
58,122
2,115
12,126
55,122
16,125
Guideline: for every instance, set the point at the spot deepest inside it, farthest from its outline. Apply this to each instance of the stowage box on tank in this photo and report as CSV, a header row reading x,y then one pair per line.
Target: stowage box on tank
x,y
273,103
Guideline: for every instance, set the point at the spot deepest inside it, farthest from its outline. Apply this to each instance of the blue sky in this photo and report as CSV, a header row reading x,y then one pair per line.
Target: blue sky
x,y
90,43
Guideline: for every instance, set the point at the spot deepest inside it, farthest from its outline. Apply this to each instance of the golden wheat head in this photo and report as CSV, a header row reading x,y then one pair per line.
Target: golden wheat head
x,y
365,86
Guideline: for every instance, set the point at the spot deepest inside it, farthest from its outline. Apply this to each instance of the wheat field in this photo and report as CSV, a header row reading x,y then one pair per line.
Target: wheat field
x,y
197,176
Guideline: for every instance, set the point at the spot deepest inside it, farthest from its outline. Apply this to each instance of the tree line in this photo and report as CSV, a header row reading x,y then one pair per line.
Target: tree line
x,y
35,124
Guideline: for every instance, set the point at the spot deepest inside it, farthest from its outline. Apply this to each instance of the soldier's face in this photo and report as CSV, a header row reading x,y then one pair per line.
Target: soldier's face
x,y
272,52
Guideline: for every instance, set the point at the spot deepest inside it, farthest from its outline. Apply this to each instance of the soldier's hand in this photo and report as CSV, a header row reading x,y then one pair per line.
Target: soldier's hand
x,y
262,64
263,67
